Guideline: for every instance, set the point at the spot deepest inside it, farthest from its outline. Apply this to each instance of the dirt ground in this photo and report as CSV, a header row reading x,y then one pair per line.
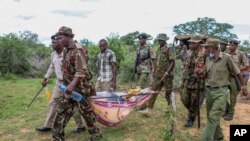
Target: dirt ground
x,y
242,115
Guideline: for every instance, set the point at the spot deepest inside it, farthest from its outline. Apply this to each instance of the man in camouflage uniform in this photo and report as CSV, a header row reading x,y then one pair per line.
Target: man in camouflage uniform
x,y
55,66
193,79
241,61
77,77
218,68
145,59
163,75
181,52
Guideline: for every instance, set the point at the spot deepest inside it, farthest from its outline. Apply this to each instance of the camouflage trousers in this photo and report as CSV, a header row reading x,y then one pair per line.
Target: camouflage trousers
x,y
233,96
189,99
142,79
66,109
158,85
215,104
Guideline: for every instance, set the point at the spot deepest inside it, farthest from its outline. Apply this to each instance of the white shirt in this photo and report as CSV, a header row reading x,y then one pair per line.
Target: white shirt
x,y
55,66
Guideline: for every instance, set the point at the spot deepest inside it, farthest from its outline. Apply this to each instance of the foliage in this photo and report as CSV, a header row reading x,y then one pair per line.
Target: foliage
x,y
29,38
115,45
130,38
169,133
23,55
245,46
14,56
126,69
10,76
206,26
93,50
86,42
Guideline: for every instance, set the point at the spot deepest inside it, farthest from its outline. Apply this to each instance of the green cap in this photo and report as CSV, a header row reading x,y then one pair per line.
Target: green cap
x,y
162,36
212,42
196,39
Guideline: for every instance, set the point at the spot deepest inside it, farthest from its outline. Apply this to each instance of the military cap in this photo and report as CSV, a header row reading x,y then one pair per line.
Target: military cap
x,y
66,31
235,42
143,36
162,36
54,37
212,42
224,42
196,39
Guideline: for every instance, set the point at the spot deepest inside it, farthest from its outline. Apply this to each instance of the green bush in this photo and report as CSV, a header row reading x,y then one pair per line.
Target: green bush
x,y
10,76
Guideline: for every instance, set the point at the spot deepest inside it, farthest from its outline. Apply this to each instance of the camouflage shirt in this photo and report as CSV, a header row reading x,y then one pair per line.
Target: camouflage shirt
x,y
181,53
74,65
194,68
143,52
164,56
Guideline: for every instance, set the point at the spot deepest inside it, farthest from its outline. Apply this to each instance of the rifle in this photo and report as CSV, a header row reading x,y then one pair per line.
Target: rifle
x,y
34,98
137,62
135,67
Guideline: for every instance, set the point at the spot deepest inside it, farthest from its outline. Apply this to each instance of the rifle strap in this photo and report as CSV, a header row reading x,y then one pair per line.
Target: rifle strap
x,y
143,59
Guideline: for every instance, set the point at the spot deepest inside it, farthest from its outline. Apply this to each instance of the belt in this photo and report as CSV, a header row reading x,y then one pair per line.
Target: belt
x,y
209,87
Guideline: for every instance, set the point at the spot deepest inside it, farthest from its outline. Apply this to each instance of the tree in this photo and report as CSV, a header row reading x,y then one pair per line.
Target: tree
x,y
30,38
86,42
130,38
206,26
115,44
23,55
245,46
14,55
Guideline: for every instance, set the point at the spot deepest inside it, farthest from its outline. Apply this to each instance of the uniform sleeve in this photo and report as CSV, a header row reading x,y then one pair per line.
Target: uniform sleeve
x,y
51,68
245,60
80,64
232,66
152,54
171,54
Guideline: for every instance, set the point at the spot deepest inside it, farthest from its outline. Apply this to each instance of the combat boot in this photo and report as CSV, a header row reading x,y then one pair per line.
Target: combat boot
x,y
95,137
145,112
224,113
228,117
190,122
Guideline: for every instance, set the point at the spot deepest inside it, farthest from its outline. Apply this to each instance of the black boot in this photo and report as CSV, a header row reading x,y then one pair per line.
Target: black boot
x,y
190,121
44,129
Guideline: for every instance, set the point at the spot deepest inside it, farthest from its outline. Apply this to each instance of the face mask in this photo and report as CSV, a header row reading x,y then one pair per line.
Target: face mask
x,y
211,55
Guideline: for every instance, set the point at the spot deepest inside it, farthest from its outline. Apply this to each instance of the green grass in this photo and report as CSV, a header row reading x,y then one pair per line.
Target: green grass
x,y
17,123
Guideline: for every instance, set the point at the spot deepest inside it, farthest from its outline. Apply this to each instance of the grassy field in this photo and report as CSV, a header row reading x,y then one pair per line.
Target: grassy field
x,y
18,124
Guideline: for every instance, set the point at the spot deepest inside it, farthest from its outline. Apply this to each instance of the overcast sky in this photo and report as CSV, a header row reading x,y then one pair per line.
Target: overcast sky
x,y
96,19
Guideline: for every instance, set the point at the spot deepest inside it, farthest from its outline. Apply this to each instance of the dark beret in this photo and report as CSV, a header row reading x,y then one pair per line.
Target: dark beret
x,y
143,36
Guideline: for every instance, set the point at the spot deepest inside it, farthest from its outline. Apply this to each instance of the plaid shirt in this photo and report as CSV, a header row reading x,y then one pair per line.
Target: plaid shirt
x,y
104,65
